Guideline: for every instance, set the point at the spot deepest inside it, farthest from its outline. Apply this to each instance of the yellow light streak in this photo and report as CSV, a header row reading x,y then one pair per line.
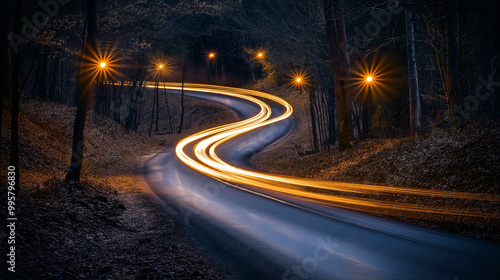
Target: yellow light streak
x,y
208,162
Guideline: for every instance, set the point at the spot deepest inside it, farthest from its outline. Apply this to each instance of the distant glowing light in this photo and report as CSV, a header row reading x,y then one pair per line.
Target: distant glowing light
x,y
211,55
369,78
102,64
298,80
160,66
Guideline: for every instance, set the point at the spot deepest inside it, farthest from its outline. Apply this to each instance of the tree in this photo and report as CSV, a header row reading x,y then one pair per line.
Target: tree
x,y
335,30
85,93
452,64
414,94
4,58
184,69
16,92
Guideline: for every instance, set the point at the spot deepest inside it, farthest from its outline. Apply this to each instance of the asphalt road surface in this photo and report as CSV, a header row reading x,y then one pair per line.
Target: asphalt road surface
x,y
269,234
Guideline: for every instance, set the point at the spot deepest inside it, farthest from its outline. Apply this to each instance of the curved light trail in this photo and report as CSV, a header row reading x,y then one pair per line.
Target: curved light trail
x,y
368,198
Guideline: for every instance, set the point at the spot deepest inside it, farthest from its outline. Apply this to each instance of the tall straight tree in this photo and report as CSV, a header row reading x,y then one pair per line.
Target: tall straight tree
x,y
335,31
414,94
85,93
452,63
4,59
16,70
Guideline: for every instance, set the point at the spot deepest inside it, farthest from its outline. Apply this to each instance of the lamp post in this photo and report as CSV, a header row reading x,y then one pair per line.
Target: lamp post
x,y
365,116
213,56
299,80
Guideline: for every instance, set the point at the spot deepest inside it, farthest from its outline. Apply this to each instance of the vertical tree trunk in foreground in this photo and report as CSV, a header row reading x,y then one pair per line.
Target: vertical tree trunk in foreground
x,y
4,60
85,94
14,128
340,67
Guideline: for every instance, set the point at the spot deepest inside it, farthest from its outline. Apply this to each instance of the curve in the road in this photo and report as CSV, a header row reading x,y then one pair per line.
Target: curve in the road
x,y
208,162
283,234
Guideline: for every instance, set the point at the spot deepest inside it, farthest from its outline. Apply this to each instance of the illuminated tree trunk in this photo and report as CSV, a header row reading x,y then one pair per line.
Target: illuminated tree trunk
x,y
340,67
85,94
414,94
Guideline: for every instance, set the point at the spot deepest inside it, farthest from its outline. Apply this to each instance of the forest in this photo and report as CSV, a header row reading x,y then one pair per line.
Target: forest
x,y
360,71
433,63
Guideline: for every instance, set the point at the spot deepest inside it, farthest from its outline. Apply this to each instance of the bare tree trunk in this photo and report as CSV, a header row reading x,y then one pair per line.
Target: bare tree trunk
x,y
314,124
54,67
85,93
414,94
4,59
16,70
184,67
157,96
365,116
340,67
153,109
452,65
137,117
168,112
42,82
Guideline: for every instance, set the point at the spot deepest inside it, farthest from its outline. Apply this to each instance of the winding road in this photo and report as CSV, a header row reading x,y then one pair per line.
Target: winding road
x,y
281,227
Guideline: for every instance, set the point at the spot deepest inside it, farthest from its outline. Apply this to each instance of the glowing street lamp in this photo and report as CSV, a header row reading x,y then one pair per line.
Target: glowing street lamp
x,y
103,64
299,81
212,59
369,78
160,68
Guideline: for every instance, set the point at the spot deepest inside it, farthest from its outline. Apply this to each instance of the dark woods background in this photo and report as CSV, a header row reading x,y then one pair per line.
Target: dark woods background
x,y
443,55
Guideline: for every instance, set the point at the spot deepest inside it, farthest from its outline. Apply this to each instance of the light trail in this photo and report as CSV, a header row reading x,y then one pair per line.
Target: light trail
x,y
208,162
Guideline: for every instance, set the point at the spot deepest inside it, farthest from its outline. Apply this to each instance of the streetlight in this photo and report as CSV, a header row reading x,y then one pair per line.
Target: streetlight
x,y
369,78
212,55
160,68
299,79
102,64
